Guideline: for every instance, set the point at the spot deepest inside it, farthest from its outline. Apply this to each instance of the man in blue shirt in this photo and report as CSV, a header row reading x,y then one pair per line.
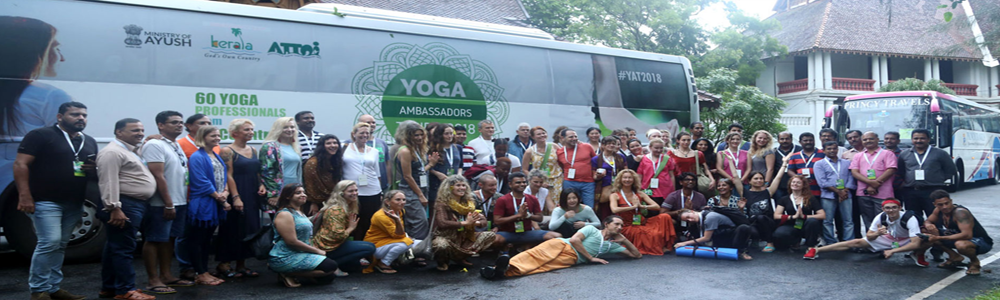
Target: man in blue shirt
x,y
834,178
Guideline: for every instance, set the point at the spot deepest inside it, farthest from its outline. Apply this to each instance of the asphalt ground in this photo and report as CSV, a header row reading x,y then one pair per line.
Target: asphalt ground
x,y
770,275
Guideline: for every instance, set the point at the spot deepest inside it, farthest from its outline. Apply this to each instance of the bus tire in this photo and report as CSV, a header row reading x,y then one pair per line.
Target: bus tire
x,y
956,180
20,233
996,173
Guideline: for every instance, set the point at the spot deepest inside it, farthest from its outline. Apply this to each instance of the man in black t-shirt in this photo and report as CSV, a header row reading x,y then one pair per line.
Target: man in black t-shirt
x,y
51,172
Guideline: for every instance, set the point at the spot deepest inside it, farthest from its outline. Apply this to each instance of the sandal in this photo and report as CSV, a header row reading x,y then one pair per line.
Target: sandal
x,y
180,283
248,273
952,264
384,269
208,282
339,273
288,281
768,249
442,266
420,262
974,270
161,289
228,273
135,295
745,256
364,262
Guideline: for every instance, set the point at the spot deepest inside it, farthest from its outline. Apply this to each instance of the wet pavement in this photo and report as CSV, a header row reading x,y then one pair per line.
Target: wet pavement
x,y
770,275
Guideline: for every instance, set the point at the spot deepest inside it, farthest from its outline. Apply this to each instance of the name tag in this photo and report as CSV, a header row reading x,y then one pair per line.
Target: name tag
x,y
636,219
423,180
381,155
654,183
871,174
571,174
451,172
461,219
78,169
648,192
684,224
519,226
918,175
806,172
840,183
739,173
363,179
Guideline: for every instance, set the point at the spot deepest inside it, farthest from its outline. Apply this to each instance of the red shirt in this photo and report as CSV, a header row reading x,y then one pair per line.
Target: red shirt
x,y
665,186
584,152
506,207
687,164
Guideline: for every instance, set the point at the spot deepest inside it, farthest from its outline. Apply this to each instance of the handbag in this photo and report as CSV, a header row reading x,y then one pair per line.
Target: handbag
x,y
262,241
703,181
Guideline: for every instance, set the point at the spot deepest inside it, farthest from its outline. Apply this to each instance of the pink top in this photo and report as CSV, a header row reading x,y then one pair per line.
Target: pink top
x,y
741,161
881,160
647,168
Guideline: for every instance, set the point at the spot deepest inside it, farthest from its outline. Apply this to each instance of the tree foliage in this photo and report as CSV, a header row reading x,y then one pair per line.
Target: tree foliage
x,y
663,26
742,104
741,47
913,84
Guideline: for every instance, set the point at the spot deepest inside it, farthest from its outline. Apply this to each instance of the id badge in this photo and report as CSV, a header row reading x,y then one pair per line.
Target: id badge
x,y
895,244
918,174
840,183
489,225
451,172
363,179
636,219
571,174
78,169
806,172
423,180
654,183
799,223
381,156
684,224
648,192
871,174
461,219
187,180
519,226
739,173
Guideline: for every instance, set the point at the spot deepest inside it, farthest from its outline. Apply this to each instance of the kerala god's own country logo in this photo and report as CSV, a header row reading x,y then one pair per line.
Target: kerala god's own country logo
x,y
234,47
429,83
135,38
292,49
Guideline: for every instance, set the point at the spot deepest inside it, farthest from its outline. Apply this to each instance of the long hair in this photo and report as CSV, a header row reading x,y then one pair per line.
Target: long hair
x,y
805,193
557,134
435,137
564,198
27,43
757,150
709,154
619,160
276,129
444,193
330,163
337,198
730,136
616,185
285,197
388,196
404,137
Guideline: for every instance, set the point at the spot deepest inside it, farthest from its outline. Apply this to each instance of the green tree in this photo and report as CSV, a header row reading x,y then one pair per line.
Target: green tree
x,y
913,84
663,26
746,105
741,47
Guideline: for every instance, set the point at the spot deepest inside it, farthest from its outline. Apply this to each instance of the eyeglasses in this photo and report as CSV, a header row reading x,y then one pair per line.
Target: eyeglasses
x,y
890,207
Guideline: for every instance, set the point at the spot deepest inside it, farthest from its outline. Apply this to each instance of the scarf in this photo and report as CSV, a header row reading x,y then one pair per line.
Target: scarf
x,y
463,210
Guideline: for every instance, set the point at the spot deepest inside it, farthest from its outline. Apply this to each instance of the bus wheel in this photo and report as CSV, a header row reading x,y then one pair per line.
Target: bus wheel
x,y
996,173
956,180
86,242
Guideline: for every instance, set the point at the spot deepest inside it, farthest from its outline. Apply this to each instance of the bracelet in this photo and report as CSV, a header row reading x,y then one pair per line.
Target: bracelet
x,y
236,196
169,208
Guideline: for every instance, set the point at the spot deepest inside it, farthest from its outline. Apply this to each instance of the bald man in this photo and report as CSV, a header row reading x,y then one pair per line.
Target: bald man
x,y
873,169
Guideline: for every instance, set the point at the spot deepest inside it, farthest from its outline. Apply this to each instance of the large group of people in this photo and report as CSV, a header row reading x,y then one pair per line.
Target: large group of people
x,y
359,205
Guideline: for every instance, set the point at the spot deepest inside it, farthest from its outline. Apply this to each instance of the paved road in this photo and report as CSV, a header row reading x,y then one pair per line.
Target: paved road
x,y
768,276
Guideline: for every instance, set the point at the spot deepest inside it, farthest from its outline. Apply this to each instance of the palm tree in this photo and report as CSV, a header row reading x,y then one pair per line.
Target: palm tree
x,y
238,33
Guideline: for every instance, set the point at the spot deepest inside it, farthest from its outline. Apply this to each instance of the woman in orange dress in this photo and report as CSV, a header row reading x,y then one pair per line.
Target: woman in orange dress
x,y
653,236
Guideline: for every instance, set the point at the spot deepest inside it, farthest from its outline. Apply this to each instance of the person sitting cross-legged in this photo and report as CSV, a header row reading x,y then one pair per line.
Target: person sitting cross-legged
x,y
892,231
515,212
586,245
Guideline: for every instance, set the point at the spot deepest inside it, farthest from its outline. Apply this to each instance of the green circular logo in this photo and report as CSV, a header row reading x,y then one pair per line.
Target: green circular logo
x,y
432,93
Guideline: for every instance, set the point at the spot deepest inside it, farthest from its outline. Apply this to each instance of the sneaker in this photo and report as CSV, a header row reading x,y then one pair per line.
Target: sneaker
x,y
62,294
920,260
811,254
488,272
503,261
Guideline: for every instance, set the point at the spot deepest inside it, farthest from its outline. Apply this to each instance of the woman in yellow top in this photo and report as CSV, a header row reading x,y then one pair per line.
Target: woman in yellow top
x,y
543,157
387,232
336,221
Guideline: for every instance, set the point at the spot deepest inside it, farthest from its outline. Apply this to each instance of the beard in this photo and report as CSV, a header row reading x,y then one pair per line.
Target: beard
x,y
70,126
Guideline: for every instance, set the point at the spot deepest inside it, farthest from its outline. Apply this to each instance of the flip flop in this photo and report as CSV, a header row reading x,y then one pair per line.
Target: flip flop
x,y
340,273
249,273
951,264
768,249
161,289
974,271
180,283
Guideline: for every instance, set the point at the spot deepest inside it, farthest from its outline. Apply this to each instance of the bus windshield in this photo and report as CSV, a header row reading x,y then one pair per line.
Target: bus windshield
x,y
881,115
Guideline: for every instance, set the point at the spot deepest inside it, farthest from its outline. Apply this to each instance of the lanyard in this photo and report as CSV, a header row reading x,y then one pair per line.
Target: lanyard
x,y
514,201
682,198
500,186
920,161
796,208
872,166
177,150
571,162
309,141
809,161
614,170
600,249
523,146
486,202
363,155
732,157
659,165
836,169
450,154
633,193
76,152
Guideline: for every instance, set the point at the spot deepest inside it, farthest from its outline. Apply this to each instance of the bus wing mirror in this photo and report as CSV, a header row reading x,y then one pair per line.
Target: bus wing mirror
x,y
943,128
828,116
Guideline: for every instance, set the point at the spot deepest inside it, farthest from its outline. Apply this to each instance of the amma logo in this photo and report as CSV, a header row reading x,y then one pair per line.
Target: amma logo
x,y
429,83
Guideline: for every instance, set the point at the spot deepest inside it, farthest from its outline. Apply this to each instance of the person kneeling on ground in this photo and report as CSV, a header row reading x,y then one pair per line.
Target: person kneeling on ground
x,y
892,231
586,245
717,230
953,227
292,256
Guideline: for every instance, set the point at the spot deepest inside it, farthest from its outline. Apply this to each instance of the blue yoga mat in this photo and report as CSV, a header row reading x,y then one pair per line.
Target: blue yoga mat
x,y
708,252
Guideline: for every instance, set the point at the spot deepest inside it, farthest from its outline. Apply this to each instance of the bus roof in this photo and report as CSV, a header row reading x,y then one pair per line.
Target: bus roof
x,y
935,94
404,23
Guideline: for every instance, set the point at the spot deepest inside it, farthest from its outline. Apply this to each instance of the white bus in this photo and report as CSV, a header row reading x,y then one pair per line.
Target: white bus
x,y
135,58
969,131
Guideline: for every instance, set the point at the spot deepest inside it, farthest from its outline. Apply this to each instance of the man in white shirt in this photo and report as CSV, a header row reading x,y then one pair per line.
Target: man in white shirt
x,y
500,147
888,233
483,145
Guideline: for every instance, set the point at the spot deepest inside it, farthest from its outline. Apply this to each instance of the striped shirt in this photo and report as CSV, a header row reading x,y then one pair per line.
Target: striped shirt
x,y
468,156
308,145
797,164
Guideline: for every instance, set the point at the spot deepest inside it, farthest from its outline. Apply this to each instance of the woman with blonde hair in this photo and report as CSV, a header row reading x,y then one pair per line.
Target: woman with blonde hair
x,y
245,191
733,161
455,222
761,156
336,221
388,234
652,236
411,166
207,203
279,157
361,165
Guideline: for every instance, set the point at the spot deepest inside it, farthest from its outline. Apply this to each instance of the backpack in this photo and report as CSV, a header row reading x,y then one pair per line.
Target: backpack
x,y
734,214
904,218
